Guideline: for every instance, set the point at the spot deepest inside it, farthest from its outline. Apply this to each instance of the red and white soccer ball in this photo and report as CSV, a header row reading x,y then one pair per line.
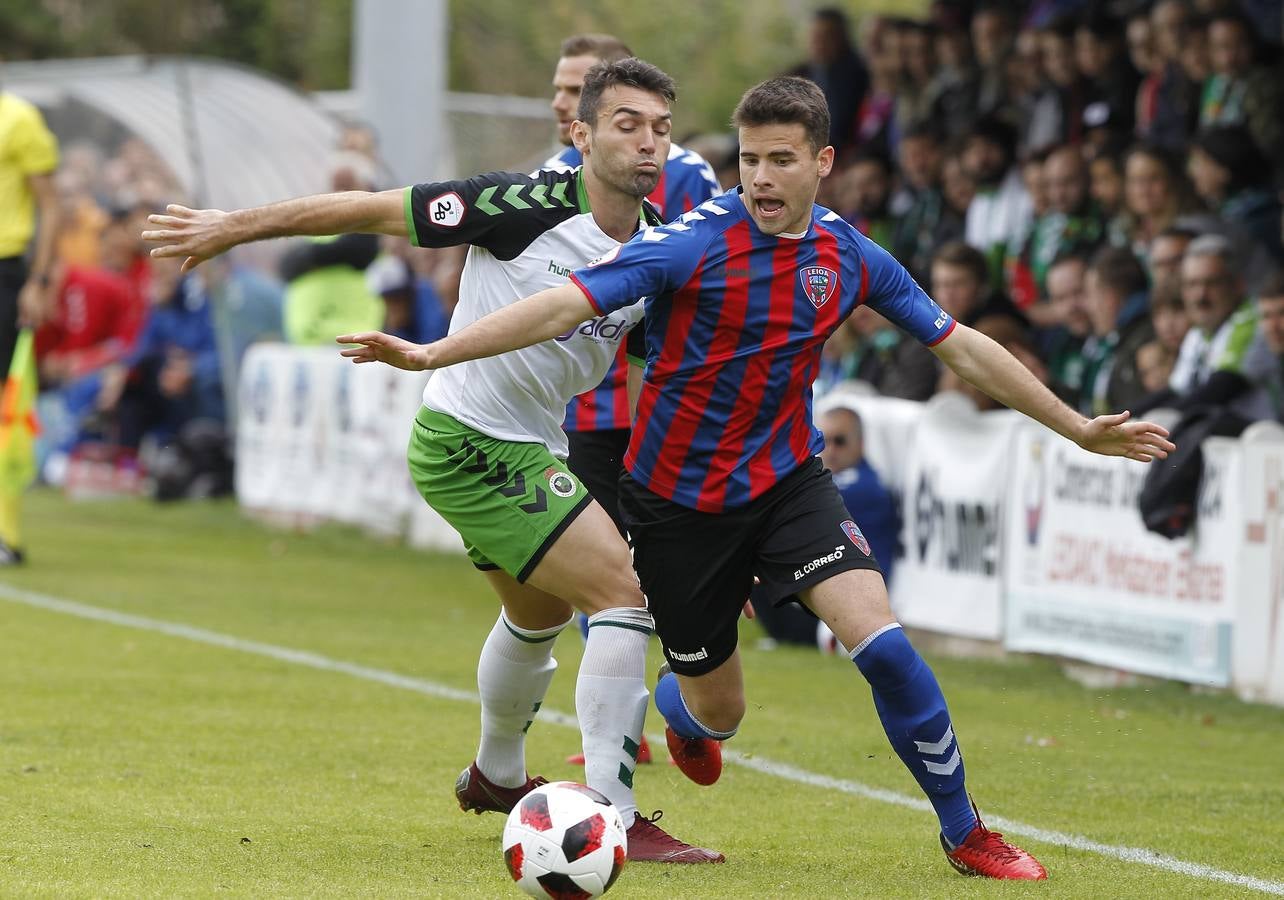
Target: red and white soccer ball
x,y
565,840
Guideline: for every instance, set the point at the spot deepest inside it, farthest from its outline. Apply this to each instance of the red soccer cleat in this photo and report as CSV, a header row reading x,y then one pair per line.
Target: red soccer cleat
x,y
644,754
986,854
700,759
648,842
478,793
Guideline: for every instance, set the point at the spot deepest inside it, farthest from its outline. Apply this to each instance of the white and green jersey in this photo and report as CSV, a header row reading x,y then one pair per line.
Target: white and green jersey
x,y
1236,346
528,232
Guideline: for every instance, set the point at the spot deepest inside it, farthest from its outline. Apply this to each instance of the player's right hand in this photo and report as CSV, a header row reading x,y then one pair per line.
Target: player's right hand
x,y
375,346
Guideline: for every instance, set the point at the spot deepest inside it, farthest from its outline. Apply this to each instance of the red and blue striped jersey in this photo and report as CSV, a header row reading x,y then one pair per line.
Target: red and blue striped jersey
x,y
735,322
686,181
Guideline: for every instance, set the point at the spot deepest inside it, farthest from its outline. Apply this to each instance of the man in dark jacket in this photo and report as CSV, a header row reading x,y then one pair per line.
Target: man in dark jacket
x,y
1118,306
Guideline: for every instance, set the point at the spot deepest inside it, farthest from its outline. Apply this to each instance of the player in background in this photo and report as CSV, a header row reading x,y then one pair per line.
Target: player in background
x,y
487,450
687,180
723,481
597,421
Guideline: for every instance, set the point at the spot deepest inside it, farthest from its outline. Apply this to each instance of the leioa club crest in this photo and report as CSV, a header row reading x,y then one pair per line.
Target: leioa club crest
x,y
818,284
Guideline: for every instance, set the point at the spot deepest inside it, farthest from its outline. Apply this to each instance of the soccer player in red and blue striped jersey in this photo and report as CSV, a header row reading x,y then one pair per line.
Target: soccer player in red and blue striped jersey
x,y
723,484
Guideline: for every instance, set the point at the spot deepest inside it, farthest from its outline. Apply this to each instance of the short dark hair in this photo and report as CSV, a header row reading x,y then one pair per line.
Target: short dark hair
x,y
606,47
997,131
1069,256
927,29
786,100
1234,16
628,72
1062,27
964,256
1166,158
1001,8
924,129
1233,148
872,155
1195,22
1039,155
1119,270
833,16
1101,25
1178,232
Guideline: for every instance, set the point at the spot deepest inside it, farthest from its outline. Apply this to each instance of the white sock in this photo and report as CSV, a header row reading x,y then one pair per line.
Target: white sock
x,y
513,674
610,702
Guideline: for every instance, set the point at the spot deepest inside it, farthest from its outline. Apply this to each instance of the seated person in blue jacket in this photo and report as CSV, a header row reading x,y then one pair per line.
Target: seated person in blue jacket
x,y
872,506
173,375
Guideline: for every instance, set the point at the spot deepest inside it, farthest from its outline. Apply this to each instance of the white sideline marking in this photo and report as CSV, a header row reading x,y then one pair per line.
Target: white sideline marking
x,y
784,771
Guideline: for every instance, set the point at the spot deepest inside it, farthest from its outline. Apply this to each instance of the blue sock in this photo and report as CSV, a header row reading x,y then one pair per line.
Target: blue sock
x,y
668,700
912,708
584,626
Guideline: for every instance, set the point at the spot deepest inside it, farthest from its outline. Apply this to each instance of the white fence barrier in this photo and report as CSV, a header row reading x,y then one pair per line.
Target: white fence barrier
x,y
1010,532
319,438
1084,578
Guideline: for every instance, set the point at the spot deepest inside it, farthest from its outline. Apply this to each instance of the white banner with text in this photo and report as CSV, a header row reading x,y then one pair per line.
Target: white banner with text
x,y
1085,578
1009,532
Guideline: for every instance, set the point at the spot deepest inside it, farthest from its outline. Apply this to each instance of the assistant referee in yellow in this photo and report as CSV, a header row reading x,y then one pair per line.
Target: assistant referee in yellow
x,y
28,207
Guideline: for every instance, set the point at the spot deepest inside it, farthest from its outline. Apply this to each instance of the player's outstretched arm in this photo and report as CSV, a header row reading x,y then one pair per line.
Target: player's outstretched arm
x,y
989,367
200,234
539,317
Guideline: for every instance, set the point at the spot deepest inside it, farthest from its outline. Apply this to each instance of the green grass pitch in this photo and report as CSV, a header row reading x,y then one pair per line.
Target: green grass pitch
x,y
144,763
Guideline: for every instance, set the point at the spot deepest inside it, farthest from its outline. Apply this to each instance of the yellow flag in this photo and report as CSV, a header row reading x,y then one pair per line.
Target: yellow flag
x,y
18,424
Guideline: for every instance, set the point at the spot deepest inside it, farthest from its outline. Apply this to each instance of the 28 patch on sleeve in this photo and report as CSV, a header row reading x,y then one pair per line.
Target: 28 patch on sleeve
x,y
446,211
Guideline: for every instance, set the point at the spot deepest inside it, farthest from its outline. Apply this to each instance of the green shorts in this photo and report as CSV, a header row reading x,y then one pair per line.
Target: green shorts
x,y
508,500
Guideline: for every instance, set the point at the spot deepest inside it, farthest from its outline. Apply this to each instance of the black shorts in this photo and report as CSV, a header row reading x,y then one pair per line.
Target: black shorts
x,y
697,568
597,459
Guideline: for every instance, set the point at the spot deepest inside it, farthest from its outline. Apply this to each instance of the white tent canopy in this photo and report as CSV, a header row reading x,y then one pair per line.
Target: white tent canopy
x,y
231,136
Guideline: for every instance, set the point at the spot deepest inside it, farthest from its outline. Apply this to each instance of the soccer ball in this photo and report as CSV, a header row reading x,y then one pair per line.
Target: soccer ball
x,y
565,840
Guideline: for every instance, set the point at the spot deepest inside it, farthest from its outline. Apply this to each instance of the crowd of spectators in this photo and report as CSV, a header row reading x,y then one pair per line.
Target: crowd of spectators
x,y
1095,185
125,344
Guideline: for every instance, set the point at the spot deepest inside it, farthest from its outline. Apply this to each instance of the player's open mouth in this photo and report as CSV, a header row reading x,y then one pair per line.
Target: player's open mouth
x,y
769,206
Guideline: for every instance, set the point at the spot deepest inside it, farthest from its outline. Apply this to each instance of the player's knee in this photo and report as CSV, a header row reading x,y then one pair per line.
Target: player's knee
x,y
610,588
721,711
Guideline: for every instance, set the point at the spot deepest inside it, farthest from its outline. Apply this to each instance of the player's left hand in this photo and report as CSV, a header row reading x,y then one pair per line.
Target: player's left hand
x,y
1117,436
375,346
197,234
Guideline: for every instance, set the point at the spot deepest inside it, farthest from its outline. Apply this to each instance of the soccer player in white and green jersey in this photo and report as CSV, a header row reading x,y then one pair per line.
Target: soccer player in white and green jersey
x,y
487,450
